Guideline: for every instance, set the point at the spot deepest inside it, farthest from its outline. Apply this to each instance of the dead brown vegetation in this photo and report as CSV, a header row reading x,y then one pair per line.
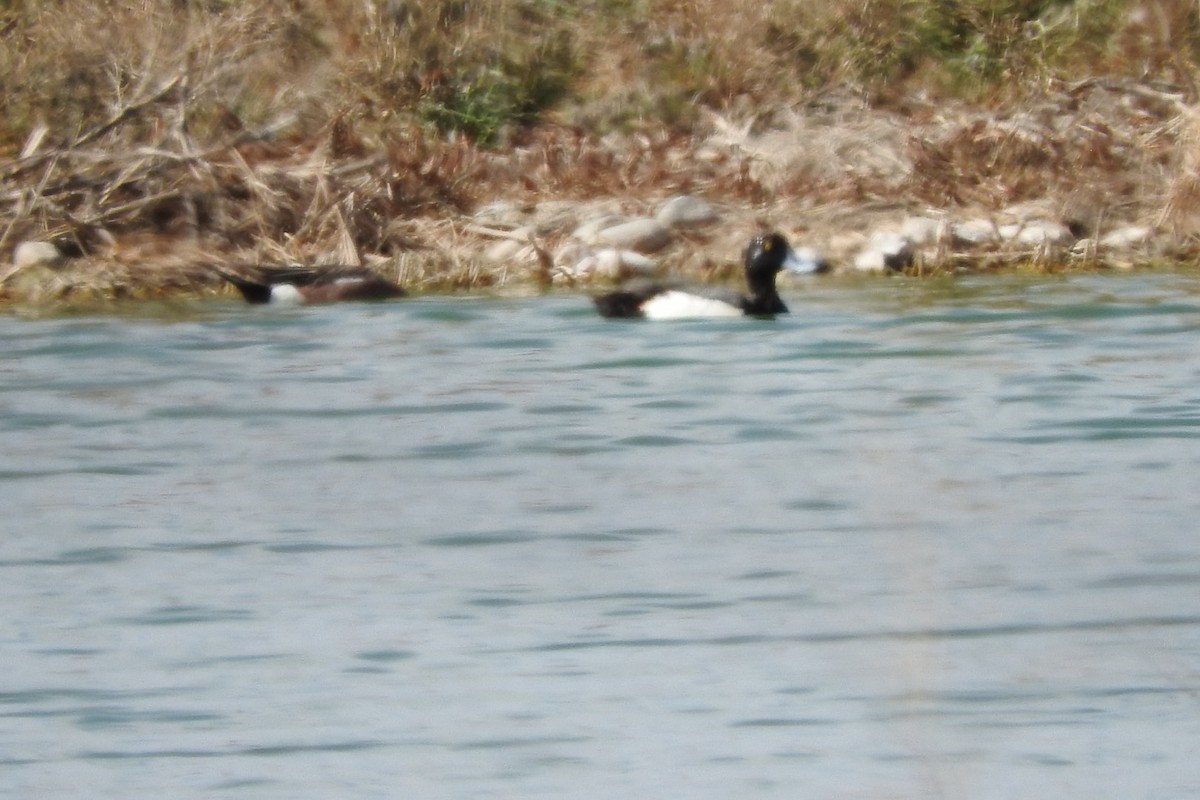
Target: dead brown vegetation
x,y
150,135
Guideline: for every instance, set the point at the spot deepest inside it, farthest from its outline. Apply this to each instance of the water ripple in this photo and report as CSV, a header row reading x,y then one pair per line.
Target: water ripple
x,y
259,751
912,539
932,634
187,615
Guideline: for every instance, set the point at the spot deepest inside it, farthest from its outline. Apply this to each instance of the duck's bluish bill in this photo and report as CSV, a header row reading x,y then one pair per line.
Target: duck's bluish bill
x,y
805,261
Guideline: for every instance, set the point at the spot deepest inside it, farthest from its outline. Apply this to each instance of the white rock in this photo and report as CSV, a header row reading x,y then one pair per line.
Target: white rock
x,y
1046,232
870,261
581,268
1032,211
890,243
608,263
556,217
1039,232
501,212
629,261
32,254
885,250
504,250
975,231
687,211
570,254
922,230
1129,237
589,230
812,259
516,246
644,235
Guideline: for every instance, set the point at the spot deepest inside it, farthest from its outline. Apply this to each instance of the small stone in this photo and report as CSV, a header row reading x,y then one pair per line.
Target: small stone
x,y
687,211
1026,213
870,261
884,251
628,261
500,213
504,250
1037,233
922,230
570,255
556,217
608,263
513,247
644,235
581,268
589,230
1046,232
1129,237
975,232
813,258
34,254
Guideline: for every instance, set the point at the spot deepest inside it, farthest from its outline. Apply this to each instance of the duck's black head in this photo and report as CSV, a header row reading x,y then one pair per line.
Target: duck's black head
x,y
765,256
769,253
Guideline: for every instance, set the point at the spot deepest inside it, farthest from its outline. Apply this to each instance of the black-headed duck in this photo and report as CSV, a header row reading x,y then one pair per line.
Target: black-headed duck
x,y
765,257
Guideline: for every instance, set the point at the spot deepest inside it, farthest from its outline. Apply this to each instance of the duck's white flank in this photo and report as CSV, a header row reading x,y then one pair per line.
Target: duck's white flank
x,y
285,294
674,304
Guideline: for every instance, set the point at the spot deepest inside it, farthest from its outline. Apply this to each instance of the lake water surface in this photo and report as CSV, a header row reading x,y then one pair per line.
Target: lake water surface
x,y
918,539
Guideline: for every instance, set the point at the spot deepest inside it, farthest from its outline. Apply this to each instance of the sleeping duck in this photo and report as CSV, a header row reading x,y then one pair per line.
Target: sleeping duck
x,y
302,285
766,256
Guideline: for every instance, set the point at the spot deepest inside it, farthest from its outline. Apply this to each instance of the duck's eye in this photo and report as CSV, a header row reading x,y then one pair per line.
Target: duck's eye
x,y
767,245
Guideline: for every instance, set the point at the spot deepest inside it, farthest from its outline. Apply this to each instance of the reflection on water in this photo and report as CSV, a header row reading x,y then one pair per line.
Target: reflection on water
x,y
918,539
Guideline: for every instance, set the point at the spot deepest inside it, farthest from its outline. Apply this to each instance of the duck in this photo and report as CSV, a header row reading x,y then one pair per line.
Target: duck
x,y
765,256
307,285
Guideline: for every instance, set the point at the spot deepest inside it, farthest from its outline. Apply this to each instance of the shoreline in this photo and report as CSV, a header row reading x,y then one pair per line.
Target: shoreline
x,y
1092,176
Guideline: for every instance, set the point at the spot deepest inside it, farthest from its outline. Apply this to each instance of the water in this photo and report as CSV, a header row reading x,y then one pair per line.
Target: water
x,y
916,540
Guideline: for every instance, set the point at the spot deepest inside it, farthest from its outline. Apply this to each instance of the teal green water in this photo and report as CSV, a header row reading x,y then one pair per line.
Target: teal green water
x,y
916,540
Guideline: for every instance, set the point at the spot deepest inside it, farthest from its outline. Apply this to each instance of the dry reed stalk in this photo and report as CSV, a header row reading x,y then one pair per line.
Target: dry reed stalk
x,y
287,132
123,114
1181,207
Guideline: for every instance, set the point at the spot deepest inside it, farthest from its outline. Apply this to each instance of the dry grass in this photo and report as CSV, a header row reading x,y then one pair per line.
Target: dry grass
x,y
357,131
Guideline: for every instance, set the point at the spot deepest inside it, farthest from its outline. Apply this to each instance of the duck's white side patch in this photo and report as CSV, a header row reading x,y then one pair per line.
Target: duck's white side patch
x,y
674,304
284,294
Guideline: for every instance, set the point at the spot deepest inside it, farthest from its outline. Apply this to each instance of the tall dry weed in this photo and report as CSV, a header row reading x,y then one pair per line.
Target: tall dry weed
x,y
318,129
1181,207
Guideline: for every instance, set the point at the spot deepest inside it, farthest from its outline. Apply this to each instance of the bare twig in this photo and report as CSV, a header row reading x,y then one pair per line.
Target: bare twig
x,y
126,112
